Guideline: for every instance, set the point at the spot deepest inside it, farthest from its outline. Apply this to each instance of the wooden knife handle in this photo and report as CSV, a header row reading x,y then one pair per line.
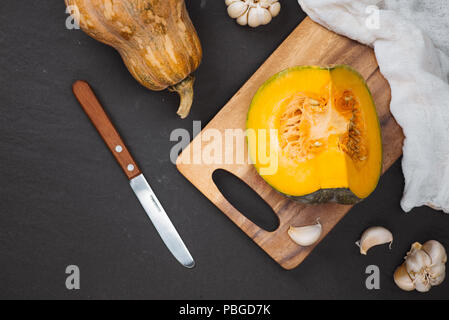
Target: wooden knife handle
x,y
105,128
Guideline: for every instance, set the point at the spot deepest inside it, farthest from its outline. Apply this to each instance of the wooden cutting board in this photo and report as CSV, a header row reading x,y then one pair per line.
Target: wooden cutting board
x,y
309,44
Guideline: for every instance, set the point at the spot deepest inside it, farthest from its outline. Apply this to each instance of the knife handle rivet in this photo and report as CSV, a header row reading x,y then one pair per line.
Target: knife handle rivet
x,y
130,167
119,148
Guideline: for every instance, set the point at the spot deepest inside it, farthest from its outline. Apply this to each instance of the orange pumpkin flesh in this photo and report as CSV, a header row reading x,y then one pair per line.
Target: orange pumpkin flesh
x,y
327,142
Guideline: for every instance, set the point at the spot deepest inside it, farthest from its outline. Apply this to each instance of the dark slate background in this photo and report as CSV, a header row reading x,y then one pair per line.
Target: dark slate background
x,y
65,201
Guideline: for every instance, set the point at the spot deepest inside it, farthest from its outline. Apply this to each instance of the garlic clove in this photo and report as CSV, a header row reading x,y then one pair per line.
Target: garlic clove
x,y
374,236
437,274
416,261
402,279
422,283
258,16
436,251
236,9
253,17
274,9
229,2
264,16
267,3
242,20
307,235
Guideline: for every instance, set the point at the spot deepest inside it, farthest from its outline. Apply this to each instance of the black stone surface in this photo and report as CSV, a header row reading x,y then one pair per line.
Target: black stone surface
x,y
65,201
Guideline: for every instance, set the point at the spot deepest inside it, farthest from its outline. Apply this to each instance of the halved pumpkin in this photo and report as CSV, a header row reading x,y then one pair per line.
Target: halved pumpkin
x,y
314,135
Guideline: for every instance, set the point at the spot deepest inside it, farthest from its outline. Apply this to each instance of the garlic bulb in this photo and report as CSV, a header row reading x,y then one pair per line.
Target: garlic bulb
x,y
306,236
425,265
374,236
253,12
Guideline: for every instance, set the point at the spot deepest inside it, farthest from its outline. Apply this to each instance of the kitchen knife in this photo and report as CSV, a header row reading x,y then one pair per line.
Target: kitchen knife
x,y
139,184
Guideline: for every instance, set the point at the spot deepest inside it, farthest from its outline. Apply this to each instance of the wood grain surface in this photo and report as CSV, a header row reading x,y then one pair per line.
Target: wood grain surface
x,y
309,44
105,128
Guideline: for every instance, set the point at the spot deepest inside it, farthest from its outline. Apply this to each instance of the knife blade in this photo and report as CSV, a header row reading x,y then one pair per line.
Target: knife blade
x,y
138,183
161,221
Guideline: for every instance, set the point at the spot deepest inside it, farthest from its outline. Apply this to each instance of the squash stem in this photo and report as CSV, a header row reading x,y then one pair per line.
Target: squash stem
x,y
185,91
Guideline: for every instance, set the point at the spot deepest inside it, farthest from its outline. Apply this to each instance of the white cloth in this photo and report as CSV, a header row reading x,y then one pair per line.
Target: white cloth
x,y
411,42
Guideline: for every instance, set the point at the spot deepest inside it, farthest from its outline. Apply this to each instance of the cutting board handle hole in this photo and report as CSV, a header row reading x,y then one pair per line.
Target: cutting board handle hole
x,y
245,200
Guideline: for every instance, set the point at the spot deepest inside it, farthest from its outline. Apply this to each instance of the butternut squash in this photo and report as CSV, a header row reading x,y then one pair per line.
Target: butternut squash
x,y
155,38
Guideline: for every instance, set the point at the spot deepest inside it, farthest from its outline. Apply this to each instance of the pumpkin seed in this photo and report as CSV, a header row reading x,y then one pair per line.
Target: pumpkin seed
x,y
313,102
